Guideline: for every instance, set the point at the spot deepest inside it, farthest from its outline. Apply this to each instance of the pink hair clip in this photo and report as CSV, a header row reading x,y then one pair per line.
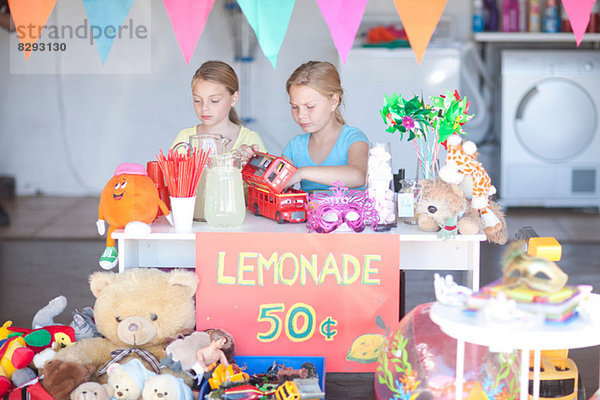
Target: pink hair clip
x,y
326,212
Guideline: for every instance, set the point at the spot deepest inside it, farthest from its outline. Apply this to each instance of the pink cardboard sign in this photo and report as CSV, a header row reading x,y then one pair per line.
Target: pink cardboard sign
x,y
300,294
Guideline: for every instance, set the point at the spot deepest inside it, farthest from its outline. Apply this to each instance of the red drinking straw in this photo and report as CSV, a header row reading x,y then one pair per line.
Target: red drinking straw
x,y
182,170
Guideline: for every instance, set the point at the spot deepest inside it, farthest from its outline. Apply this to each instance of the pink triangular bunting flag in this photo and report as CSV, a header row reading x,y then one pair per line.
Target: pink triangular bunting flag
x,y
343,18
188,18
579,16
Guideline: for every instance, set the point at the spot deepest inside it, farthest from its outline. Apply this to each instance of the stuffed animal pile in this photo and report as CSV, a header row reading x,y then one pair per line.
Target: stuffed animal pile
x,y
135,313
459,202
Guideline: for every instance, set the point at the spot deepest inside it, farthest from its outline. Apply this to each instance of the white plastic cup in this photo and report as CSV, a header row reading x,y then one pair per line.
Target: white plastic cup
x,y
183,213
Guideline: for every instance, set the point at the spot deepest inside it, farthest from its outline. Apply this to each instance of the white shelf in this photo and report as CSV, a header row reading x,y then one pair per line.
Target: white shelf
x,y
529,37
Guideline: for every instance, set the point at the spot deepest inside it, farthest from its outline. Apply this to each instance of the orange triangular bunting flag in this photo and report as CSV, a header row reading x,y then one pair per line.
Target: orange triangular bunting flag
x,y
32,16
419,19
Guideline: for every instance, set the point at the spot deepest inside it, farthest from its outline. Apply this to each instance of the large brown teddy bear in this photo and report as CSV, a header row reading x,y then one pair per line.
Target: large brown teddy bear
x,y
138,309
440,201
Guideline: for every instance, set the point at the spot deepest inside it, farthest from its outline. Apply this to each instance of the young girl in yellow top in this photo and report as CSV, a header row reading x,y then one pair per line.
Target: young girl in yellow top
x,y
215,91
329,150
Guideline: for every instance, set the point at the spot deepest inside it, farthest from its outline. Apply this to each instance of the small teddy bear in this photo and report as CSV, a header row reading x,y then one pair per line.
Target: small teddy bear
x,y
91,391
444,207
166,387
127,380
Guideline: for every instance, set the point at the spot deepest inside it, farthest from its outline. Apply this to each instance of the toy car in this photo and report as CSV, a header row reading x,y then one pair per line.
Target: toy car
x,y
267,177
230,373
288,206
300,389
247,392
268,172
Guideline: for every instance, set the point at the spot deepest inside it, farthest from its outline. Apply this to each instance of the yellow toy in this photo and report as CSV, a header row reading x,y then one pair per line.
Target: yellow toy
x,y
559,375
230,373
5,331
14,355
299,389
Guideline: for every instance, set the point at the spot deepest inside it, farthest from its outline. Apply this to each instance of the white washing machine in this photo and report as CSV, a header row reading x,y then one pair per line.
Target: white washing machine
x,y
550,146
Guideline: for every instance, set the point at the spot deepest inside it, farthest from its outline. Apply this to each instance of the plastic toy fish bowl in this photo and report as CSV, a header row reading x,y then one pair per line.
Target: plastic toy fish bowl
x,y
418,362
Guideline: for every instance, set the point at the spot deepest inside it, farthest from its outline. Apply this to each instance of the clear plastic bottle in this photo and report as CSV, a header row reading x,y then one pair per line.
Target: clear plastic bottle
x,y
224,204
407,200
380,185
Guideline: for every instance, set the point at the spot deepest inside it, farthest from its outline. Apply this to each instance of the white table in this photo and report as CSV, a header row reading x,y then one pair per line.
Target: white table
x,y
418,250
508,337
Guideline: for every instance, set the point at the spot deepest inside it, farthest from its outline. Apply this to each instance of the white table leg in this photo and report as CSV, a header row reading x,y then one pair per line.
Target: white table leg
x,y
460,368
536,374
524,374
474,253
472,260
121,255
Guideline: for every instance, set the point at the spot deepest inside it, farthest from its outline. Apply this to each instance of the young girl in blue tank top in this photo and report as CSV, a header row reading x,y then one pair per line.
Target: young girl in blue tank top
x,y
329,150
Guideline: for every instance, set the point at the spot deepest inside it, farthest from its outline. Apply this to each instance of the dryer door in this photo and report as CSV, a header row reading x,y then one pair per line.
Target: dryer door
x,y
556,120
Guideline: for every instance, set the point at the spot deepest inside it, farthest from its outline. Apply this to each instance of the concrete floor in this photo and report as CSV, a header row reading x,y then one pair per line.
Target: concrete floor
x,y
51,247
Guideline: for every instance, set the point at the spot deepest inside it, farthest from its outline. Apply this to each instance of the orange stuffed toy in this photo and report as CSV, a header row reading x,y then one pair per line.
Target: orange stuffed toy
x,y
128,201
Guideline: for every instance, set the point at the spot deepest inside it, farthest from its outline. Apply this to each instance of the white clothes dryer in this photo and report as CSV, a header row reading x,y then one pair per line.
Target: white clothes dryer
x,y
550,145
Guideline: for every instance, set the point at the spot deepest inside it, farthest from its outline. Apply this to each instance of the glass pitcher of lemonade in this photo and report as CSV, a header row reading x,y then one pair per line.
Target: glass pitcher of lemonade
x,y
215,144
224,204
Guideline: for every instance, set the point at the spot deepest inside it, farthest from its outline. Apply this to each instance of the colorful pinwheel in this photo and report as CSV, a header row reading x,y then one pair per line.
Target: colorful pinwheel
x,y
452,114
405,115
429,126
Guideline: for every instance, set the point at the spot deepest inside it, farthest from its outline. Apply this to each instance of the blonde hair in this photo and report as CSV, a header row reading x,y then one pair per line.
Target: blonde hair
x,y
321,76
222,73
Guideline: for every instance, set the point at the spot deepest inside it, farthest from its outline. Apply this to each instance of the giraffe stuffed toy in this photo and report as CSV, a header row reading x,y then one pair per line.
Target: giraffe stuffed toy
x,y
462,168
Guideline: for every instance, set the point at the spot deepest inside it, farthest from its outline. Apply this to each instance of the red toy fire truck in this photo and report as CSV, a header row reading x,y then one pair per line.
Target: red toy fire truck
x,y
268,171
267,176
287,206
